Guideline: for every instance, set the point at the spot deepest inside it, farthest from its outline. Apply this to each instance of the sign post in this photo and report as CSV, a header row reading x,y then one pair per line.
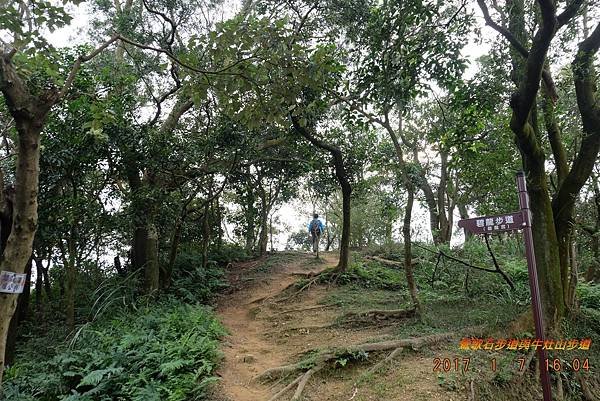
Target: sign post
x,y
536,302
520,220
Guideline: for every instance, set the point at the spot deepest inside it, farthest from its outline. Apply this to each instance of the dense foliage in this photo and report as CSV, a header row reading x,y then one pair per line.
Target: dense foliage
x,y
174,139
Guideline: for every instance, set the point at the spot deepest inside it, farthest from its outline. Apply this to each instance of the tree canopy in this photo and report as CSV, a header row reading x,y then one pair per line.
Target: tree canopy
x,y
169,140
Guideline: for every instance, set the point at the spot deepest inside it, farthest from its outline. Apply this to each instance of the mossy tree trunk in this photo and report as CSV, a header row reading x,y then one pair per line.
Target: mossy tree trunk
x,y
552,213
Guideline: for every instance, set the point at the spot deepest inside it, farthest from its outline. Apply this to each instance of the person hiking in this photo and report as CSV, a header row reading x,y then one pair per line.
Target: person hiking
x,y
315,229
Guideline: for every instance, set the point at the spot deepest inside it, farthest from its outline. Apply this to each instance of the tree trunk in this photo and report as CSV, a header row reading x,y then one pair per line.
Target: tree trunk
x,y
573,280
408,268
151,269
38,283
118,267
346,212
139,249
271,233
219,223
346,187
462,209
70,280
445,221
29,111
529,67
594,268
430,198
18,249
263,238
250,214
594,232
330,240
20,315
545,240
205,236
47,285
167,273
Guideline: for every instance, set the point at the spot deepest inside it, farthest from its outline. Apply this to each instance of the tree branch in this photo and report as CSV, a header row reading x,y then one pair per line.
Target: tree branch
x,y
170,55
519,47
589,107
501,30
80,60
569,12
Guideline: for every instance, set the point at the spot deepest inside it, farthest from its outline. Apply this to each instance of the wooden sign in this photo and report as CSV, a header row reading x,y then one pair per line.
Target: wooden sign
x,y
511,222
493,224
12,283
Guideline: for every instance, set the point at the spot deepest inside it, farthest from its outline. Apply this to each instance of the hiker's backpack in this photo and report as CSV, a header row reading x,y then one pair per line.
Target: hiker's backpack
x,y
315,227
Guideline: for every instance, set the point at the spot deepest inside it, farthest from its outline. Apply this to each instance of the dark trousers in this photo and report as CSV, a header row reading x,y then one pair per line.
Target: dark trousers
x,y
315,241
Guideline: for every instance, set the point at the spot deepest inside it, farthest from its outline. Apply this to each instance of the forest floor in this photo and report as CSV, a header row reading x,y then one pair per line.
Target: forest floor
x,y
268,328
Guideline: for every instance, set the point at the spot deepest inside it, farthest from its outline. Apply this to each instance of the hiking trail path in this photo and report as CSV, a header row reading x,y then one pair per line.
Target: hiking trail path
x,y
267,330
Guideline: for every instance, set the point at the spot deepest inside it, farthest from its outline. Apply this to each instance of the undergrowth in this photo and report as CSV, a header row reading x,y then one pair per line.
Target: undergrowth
x,y
129,346
456,297
165,351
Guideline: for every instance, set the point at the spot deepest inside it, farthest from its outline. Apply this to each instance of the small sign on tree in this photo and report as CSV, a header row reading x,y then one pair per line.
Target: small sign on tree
x,y
12,283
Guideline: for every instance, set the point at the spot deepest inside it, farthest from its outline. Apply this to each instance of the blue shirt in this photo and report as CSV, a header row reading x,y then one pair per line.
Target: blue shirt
x,y
320,225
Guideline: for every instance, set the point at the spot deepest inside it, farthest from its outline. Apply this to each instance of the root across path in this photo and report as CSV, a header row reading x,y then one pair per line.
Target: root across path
x,y
287,343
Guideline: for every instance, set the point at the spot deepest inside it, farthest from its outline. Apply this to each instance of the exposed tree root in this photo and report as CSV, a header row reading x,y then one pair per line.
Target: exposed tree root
x,y
286,389
472,396
379,314
560,392
392,263
300,381
310,327
268,297
303,382
314,277
379,364
375,316
302,309
306,286
332,354
318,362
280,371
305,274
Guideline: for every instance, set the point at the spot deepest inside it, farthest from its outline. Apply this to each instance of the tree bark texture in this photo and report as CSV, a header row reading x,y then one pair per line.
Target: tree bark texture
x,y
30,113
408,265
151,269
552,215
346,187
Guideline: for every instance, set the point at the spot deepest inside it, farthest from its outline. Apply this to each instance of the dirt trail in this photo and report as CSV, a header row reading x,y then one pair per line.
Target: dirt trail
x,y
266,331
249,349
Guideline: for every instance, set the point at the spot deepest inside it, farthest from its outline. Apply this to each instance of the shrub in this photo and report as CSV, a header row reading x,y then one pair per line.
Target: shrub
x,y
371,274
228,253
165,351
192,283
589,295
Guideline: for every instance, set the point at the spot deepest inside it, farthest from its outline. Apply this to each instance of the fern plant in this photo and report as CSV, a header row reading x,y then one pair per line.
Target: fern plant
x,y
165,351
